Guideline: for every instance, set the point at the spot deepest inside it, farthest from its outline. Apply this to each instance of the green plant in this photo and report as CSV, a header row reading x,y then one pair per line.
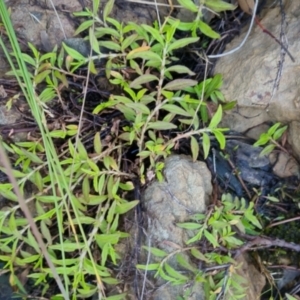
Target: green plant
x,y
80,193
217,229
271,138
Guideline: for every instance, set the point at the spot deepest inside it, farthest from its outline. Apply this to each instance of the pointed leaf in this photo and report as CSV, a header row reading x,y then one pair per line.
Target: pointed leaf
x,y
194,148
206,144
220,138
219,5
216,119
189,5
143,79
125,207
108,8
207,30
175,274
176,110
160,125
211,239
154,33
155,251
180,70
189,225
179,84
182,43
73,53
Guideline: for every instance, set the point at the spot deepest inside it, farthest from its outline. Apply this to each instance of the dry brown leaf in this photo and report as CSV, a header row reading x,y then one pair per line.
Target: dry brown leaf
x,y
246,5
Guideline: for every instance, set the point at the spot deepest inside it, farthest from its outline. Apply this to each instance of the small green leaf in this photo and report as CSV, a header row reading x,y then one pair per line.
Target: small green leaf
x,y
273,199
154,33
97,143
93,41
278,133
47,94
101,31
107,9
189,225
263,139
28,59
81,150
83,26
149,267
267,150
176,110
143,79
196,253
205,144
125,207
251,218
175,274
182,43
155,251
139,108
128,41
110,45
73,53
186,263
46,233
290,297
160,125
115,23
31,241
189,5
180,70
211,239
111,212
220,138
41,76
194,148
218,5
179,84
216,119
272,129
208,31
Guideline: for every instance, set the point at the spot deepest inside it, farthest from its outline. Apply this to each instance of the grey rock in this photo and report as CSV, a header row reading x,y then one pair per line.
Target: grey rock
x,y
250,73
254,280
186,190
294,137
284,165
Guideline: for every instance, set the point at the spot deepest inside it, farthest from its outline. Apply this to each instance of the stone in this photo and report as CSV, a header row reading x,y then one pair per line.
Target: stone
x,y
254,280
284,164
250,73
185,190
40,26
294,138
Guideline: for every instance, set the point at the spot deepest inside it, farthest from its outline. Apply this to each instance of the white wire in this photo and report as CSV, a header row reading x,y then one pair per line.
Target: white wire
x,y
244,40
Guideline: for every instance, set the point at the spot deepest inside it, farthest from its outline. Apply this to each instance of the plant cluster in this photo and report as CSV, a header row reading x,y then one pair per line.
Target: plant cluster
x,y
81,193
217,230
270,138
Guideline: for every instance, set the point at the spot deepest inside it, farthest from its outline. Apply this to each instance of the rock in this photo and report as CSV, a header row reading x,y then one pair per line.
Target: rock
x,y
250,74
39,25
294,138
284,164
185,190
254,280
242,119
